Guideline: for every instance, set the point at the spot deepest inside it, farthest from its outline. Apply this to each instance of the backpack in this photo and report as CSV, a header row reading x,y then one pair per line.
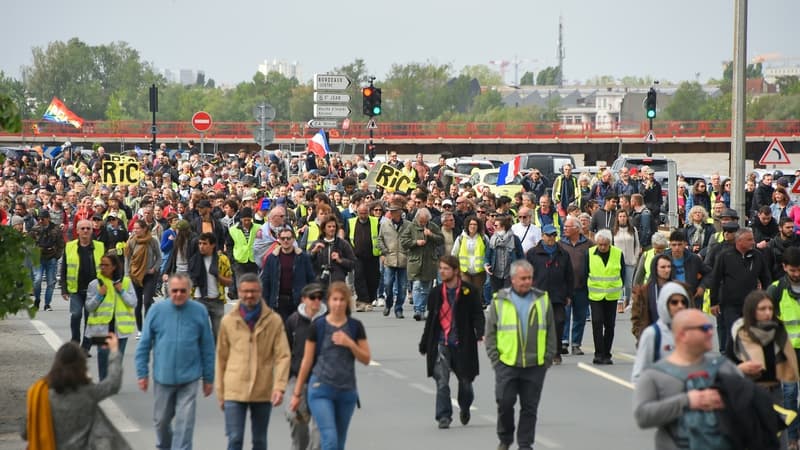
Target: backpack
x,y
656,342
698,430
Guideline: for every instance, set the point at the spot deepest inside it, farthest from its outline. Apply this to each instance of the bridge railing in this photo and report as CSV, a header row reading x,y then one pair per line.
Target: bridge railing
x,y
140,130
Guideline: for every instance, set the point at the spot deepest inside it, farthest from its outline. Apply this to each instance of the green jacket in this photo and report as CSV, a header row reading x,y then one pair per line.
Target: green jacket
x,y
531,344
422,260
389,243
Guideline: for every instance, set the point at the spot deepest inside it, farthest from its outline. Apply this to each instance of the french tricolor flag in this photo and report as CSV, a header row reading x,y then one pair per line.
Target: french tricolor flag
x,y
508,171
319,144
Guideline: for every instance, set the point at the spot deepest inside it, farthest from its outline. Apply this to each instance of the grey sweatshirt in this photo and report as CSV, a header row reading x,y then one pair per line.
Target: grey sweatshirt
x,y
659,400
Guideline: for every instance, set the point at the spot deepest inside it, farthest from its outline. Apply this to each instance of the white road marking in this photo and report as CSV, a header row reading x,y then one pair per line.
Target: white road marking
x,y
605,375
374,363
112,410
394,374
422,388
627,356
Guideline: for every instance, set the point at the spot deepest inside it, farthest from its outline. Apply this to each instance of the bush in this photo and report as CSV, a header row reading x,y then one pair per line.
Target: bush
x,y
18,253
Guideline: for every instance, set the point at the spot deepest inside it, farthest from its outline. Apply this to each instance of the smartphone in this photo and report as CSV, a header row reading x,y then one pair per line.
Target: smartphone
x,y
99,340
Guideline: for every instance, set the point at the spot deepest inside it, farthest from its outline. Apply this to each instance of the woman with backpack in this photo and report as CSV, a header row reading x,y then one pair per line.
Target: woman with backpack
x,y
644,309
761,348
335,341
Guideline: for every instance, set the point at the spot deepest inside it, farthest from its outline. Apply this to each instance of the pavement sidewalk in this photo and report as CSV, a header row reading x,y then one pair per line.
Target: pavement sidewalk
x,y
24,356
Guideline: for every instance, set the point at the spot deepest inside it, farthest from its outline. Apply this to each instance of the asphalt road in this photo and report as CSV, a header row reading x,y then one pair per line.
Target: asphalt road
x,y
583,406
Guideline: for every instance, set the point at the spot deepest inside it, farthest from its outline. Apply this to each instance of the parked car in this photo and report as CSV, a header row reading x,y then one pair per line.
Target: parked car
x,y
487,178
657,163
548,164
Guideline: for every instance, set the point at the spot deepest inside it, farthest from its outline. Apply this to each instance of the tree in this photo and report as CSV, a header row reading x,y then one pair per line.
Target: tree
x,y
527,79
15,280
485,75
687,102
788,85
548,76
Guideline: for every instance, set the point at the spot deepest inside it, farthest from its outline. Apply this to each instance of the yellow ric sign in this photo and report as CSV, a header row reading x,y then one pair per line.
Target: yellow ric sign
x,y
392,179
121,169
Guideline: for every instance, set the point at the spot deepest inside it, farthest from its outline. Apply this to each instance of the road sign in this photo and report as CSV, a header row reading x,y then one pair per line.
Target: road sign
x,y
264,136
372,125
201,121
323,97
774,154
322,123
324,82
331,111
651,137
265,112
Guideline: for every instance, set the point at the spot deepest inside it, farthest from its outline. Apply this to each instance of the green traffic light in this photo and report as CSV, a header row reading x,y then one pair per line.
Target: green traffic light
x,y
376,110
651,113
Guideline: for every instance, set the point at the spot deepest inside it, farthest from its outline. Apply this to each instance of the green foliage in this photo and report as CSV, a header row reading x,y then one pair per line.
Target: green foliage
x,y
788,85
10,119
15,277
548,76
687,102
485,75
774,107
527,79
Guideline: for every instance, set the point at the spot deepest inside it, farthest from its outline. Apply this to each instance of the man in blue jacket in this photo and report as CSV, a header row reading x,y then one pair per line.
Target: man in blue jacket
x,y
179,334
286,271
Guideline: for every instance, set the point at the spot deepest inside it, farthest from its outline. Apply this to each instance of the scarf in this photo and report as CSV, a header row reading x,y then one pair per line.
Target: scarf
x,y
139,258
250,316
549,249
40,420
748,343
446,312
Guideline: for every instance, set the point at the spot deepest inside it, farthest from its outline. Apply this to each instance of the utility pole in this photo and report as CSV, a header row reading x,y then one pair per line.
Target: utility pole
x,y
154,110
738,138
560,52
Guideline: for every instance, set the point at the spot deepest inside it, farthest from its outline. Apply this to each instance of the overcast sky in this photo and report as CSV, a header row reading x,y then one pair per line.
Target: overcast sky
x,y
668,40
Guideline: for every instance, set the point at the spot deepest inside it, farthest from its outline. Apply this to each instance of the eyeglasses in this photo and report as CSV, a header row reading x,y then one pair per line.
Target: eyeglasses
x,y
481,212
437,204
315,297
96,219
448,206
701,186
377,209
85,228
705,328
492,214
678,302
178,291
286,238
523,217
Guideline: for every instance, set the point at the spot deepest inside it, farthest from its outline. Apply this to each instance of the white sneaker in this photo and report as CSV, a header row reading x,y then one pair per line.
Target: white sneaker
x,y
375,302
138,335
381,302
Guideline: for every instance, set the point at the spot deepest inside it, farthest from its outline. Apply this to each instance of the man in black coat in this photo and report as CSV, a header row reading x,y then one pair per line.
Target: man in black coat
x,y
688,267
552,272
454,326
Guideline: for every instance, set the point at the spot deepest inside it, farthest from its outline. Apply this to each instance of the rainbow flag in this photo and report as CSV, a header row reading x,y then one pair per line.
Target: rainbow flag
x,y
57,112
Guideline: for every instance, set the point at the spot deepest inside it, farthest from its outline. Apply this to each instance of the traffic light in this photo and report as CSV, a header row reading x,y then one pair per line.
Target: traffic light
x,y
372,101
650,104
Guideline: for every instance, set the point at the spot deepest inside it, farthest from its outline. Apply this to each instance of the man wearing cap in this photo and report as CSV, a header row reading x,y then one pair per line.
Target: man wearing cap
x,y
206,223
552,273
395,259
116,236
651,191
304,431
240,241
50,242
287,269
79,267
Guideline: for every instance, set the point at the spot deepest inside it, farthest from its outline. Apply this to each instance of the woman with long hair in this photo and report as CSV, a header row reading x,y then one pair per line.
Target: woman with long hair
x,y
699,196
644,311
142,262
781,204
62,407
471,249
334,343
698,229
504,248
180,251
331,256
626,238
110,301
762,349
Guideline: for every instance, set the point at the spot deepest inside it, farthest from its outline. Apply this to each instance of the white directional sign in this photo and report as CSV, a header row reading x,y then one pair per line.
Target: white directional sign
x,y
650,138
322,123
331,111
324,82
324,97
774,154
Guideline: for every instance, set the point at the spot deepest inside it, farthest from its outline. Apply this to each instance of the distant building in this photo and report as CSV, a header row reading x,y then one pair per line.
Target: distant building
x,y
772,73
287,69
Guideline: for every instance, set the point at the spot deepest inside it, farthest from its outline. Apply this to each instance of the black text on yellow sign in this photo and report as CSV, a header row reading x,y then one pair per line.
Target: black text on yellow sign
x,y
393,179
121,170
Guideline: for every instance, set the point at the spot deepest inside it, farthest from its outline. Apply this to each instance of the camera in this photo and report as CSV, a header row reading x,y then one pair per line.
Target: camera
x,y
325,275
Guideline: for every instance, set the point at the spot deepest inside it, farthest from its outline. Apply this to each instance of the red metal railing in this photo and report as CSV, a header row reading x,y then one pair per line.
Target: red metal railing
x,y
139,130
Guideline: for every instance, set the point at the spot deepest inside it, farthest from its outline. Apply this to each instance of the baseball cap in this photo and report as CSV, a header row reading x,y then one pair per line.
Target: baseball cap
x,y
549,229
447,202
44,214
311,289
112,215
204,204
729,212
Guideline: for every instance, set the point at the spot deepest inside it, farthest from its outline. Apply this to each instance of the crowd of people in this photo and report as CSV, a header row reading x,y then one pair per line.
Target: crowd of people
x,y
296,239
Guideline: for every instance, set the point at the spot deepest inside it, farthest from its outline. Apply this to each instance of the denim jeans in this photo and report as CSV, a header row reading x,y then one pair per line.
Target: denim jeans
x,y
174,401
790,403
394,283
332,409
77,310
381,289
102,358
419,293
47,268
487,291
441,373
235,417
577,313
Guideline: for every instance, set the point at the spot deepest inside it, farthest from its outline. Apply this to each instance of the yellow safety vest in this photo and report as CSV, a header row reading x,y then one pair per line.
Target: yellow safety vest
x,y
604,281
790,315
557,189
648,261
301,211
373,230
509,332
73,260
472,263
313,234
243,250
113,306
538,222
120,248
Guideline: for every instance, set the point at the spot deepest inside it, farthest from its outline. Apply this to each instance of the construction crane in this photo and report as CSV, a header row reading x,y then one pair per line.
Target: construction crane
x,y
503,66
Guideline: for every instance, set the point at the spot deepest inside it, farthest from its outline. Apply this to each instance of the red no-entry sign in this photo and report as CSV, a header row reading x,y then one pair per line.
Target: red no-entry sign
x,y
201,121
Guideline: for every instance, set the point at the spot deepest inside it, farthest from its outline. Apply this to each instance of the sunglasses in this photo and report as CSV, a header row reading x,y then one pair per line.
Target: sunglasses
x,y
523,217
85,228
705,328
315,297
678,302
178,291
285,238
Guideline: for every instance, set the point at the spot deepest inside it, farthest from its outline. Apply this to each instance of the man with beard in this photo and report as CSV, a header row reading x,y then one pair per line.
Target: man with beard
x,y
778,246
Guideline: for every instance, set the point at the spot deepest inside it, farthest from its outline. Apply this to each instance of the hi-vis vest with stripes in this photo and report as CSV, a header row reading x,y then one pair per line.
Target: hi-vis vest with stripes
x,y
605,282
789,315
472,263
313,234
648,261
509,332
243,250
73,260
373,230
113,306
